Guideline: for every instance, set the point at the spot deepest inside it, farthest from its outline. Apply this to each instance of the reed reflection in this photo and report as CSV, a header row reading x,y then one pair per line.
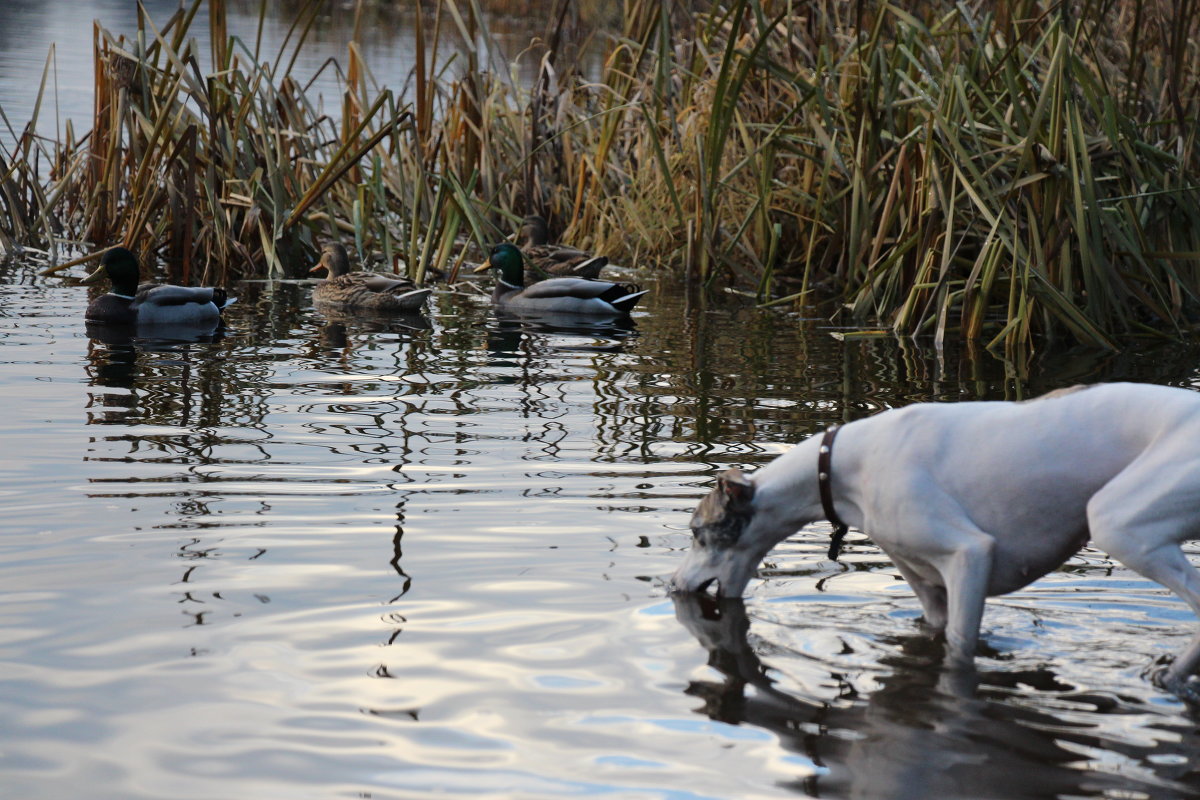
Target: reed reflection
x,y
398,555
722,378
195,603
554,363
395,620
920,735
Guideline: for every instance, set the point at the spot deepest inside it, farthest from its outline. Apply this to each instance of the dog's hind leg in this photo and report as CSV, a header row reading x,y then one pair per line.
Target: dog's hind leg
x,y
1141,517
1166,564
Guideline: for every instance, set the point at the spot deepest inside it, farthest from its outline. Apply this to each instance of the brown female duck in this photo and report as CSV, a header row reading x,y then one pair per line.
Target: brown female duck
x,y
545,260
363,291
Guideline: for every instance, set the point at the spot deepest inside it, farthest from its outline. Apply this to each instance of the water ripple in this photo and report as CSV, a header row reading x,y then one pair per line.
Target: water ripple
x,y
312,557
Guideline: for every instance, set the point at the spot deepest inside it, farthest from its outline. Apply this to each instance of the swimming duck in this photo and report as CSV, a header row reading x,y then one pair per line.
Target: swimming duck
x,y
544,260
128,303
363,291
571,295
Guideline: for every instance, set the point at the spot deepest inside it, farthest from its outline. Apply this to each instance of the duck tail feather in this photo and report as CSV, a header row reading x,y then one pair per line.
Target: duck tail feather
x,y
591,267
630,300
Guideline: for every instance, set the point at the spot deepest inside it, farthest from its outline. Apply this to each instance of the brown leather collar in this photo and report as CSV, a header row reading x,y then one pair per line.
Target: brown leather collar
x,y
824,483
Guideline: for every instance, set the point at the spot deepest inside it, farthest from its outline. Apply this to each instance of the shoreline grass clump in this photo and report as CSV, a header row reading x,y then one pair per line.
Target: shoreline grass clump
x,y
954,173
234,171
995,172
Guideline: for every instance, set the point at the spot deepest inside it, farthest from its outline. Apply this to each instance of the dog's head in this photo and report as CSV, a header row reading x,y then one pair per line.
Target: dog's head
x,y
720,550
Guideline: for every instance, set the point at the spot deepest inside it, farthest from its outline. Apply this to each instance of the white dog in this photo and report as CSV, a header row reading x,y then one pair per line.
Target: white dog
x,y
981,498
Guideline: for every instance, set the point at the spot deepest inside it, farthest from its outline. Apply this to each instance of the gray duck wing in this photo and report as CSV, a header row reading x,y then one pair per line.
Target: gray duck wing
x,y
172,295
581,288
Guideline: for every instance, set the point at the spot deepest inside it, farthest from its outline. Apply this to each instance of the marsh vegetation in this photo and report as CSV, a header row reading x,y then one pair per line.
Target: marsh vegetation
x,y
995,172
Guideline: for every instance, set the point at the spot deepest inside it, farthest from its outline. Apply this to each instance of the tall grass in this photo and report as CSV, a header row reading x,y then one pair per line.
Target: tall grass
x,y
223,164
954,172
995,172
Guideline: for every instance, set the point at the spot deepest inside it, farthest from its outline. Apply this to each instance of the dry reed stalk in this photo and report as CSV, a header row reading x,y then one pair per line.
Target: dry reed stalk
x,y
945,170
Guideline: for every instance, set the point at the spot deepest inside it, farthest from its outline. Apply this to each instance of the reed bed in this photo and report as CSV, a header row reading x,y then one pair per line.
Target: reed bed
x,y
951,171
232,170
996,172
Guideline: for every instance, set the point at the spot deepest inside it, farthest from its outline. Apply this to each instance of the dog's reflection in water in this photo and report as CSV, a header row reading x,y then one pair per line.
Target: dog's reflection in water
x,y
926,733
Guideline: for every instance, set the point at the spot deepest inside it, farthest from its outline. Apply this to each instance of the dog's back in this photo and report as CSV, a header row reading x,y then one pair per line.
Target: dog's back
x,y
1079,387
1082,428
1024,472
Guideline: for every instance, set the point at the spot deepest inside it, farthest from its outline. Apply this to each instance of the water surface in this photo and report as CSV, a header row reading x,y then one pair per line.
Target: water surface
x,y
347,558
55,38
308,557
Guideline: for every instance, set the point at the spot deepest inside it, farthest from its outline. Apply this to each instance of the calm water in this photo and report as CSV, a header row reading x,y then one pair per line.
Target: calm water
x,y
319,558
56,35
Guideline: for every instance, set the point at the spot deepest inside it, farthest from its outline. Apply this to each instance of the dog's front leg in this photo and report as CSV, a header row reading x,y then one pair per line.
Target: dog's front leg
x,y
931,596
967,569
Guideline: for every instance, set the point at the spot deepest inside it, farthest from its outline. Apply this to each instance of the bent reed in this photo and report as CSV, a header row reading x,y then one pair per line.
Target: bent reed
x,y
990,171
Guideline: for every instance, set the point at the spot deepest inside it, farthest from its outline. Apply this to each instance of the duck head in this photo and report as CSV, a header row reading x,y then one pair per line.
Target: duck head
x,y
534,231
508,259
334,259
121,268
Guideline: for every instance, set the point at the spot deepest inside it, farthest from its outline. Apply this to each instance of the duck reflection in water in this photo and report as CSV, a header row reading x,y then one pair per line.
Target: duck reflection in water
x,y
157,335
336,319
922,735
340,328
510,333
116,362
615,327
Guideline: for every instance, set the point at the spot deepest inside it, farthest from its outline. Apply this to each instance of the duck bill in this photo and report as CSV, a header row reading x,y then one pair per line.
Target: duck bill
x,y
95,277
484,267
320,267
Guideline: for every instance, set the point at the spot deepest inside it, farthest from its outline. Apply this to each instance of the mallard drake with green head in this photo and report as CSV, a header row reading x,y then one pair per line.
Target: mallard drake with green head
x,y
569,295
545,260
365,291
127,303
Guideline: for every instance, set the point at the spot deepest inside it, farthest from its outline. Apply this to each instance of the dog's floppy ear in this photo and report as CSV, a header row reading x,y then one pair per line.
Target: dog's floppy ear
x,y
736,487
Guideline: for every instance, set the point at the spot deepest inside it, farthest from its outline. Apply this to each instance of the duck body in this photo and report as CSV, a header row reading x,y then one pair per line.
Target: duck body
x,y
545,260
128,303
365,291
556,295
